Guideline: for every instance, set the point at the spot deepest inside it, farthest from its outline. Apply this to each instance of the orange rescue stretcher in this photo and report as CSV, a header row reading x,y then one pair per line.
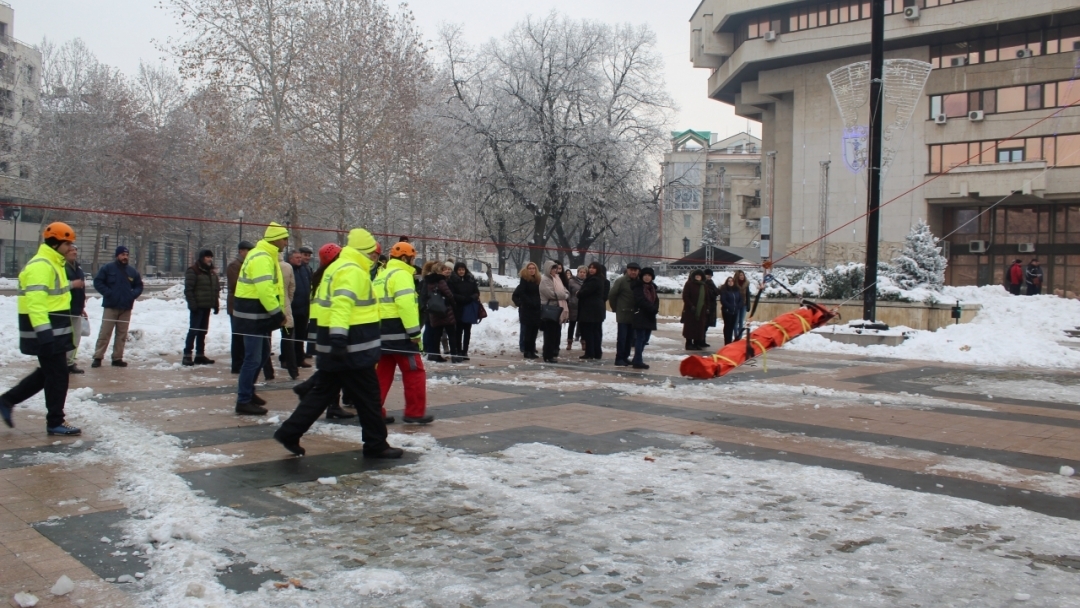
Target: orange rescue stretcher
x,y
772,334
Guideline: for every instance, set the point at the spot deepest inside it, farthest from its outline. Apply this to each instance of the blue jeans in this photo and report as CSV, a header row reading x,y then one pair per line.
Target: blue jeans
x,y
624,342
641,338
256,354
740,321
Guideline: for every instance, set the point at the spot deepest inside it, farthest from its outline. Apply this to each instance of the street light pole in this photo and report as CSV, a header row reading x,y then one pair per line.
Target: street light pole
x,y
187,246
15,213
241,212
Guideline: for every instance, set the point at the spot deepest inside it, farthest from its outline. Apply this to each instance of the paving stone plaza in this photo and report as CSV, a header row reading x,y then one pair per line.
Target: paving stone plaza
x,y
823,479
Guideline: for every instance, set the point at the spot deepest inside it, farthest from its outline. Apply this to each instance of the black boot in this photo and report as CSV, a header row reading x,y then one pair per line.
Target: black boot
x,y
187,361
250,409
293,445
203,360
335,412
304,387
691,345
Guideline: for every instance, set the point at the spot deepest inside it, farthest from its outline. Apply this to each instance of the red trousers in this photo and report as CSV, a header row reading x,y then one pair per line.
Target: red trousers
x,y
412,376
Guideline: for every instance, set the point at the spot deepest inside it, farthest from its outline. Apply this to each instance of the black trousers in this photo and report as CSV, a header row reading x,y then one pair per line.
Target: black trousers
x,y
463,333
299,338
52,377
198,324
592,334
237,350
288,351
730,320
552,338
571,327
433,346
528,337
361,388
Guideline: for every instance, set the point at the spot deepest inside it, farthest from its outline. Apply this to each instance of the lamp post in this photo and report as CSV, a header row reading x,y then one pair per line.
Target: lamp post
x,y
241,213
187,246
15,213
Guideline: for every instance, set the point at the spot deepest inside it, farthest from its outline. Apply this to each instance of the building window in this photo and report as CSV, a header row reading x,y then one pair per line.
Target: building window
x,y
1056,150
31,77
104,242
685,246
1059,94
1012,155
168,257
687,220
24,172
990,49
151,258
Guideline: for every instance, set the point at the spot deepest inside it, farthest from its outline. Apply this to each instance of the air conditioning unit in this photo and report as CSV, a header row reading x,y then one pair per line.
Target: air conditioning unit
x,y
1022,53
958,61
976,115
1026,248
977,246
911,13
770,36
941,119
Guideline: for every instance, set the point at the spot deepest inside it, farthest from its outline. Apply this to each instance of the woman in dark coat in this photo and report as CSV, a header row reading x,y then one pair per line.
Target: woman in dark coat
x,y
731,302
435,282
646,306
695,310
592,310
201,290
466,294
527,299
711,293
573,283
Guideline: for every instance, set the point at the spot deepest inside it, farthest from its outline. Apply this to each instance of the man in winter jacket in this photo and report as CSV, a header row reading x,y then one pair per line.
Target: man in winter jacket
x,y
45,329
348,347
232,273
77,280
201,288
1015,277
258,311
399,315
301,302
119,285
1033,278
621,301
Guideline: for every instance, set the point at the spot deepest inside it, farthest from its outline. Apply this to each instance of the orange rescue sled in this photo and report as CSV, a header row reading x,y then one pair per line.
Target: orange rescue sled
x,y
773,334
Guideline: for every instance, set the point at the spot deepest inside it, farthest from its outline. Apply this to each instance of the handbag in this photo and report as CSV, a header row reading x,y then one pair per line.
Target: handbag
x,y
469,313
84,328
551,312
436,305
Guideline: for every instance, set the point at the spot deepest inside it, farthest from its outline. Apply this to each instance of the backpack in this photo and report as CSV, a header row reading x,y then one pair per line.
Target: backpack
x,y
434,304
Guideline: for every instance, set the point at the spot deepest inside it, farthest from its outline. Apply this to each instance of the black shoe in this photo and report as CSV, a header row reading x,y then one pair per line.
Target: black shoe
x,y
187,361
387,453
550,360
304,387
336,413
5,412
257,400
456,359
303,364
389,420
584,357
203,360
692,346
704,345
640,366
437,358
250,409
234,371
75,369
421,420
531,356
96,363
293,445
622,363
119,363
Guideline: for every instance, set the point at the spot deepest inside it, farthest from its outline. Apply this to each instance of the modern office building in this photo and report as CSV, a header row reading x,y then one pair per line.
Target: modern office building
x,y
711,192
997,109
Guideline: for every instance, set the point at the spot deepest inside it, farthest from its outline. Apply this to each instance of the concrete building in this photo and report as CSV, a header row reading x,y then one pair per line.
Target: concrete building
x,y
711,189
20,82
996,107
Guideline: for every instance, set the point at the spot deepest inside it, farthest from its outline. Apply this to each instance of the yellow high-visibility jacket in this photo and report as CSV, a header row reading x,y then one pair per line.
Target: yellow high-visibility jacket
x,y
398,306
347,314
260,291
44,305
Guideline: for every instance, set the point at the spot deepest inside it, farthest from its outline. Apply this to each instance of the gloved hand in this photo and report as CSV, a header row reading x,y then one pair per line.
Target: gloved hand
x,y
339,348
216,310
45,337
278,319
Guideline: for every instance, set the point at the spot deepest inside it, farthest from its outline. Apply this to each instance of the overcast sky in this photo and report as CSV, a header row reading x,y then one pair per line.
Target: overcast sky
x,y
123,32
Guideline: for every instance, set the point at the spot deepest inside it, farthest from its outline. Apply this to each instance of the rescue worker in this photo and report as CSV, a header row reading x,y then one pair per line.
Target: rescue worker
x,y
348,348
257,308
45,329
400,314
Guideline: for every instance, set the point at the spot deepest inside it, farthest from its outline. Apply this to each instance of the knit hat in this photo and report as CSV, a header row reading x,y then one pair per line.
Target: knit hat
x,y
633,265
361,240
648,271
121,249
205,252
275,232
245,246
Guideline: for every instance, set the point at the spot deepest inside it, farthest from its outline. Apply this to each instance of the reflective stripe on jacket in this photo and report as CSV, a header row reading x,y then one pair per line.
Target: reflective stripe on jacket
x,y
398,306
260,291
44,304
349,311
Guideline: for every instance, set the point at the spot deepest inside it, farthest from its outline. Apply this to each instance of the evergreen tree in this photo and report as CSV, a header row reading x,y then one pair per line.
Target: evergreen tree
x,y
921,263
710,234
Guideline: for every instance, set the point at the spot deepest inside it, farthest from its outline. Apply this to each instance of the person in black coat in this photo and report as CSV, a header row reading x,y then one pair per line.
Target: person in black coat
x,y
77,281
527,299
646,307
592,310
466,295
731,301
711,293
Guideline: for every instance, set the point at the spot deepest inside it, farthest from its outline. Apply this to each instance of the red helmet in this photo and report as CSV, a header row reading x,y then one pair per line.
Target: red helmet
x,y
328,253
378,249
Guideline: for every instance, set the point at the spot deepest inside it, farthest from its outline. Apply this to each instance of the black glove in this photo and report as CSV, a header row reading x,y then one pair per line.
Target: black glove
x,y
339,348
216,311
45,337
278,319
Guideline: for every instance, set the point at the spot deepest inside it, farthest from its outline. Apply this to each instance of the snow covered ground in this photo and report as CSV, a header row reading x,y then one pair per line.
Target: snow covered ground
x,y
1008,330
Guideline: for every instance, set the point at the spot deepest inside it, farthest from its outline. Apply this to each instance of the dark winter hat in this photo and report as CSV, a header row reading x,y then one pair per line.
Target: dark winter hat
x,y
708,272
633,265
245,246
461,265
205,253
121,249
307,250
648,271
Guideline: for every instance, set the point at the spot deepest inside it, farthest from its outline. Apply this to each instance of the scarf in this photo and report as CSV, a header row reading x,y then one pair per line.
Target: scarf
x,y
649,290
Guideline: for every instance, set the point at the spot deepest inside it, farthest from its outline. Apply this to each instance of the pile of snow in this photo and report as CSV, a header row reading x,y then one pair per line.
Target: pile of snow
x,y
1008,331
